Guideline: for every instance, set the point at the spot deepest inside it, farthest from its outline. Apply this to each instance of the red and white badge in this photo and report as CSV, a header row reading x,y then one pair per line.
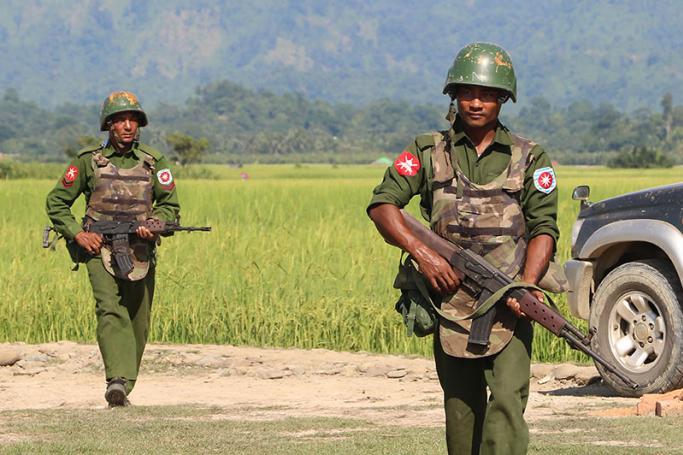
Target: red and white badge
x,y
544,180
407,164
165,178
70,176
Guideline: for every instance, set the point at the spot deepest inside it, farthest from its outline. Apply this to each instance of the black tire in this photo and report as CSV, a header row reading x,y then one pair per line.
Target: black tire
x,y
639,321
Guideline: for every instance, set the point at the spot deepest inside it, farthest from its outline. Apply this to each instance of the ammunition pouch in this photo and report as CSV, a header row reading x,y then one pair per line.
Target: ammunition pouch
x,y
554,280
415,305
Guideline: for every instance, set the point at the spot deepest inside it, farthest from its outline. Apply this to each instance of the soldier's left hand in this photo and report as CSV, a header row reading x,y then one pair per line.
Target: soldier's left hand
x,y
146,234
513,304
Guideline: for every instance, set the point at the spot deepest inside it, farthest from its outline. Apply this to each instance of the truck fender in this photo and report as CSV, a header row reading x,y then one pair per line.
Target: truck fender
x,y
659,233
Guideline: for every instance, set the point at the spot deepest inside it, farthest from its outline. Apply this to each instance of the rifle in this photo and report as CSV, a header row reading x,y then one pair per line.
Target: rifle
x,y
115,233
486,280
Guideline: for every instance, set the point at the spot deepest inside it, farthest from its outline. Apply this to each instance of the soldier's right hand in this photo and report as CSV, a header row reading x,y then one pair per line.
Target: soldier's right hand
x,y
437,270
89,241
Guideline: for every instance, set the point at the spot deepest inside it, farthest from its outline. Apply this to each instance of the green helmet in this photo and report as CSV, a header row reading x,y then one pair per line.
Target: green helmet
x,y
120,102
482,64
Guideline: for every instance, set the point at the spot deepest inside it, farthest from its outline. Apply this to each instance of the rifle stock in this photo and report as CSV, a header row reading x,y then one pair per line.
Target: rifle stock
x,y
483,275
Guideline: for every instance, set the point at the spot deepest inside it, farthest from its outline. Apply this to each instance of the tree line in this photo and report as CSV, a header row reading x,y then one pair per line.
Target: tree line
x,y
227,123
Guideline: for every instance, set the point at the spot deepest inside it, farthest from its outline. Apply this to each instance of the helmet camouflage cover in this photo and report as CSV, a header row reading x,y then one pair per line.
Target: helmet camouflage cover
x,y
483,64
120,102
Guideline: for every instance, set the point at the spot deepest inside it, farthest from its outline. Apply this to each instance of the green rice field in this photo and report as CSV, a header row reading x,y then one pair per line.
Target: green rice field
x,y
292,261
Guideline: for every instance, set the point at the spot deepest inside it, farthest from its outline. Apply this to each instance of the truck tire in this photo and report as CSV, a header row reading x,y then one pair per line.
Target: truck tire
x,y
639,321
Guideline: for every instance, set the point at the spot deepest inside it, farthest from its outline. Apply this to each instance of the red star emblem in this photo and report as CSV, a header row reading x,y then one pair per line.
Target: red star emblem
x,y
70,176
407,164
545,180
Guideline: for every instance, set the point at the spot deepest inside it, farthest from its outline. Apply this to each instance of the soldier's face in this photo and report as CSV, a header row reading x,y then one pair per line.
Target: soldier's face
x,y
478,106
124,127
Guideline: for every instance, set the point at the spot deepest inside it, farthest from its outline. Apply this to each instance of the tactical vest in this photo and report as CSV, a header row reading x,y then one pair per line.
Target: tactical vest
x,y
123,195
487,219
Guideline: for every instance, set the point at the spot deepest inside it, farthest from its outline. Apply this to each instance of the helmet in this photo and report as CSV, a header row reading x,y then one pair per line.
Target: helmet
x,y
120,102
484,64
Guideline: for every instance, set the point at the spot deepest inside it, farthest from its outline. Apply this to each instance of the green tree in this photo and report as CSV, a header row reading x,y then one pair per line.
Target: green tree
x,y
188,150
640,157
71,148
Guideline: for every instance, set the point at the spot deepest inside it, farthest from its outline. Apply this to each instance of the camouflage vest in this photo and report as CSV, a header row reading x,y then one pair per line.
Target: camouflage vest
x,y
489,220
123,195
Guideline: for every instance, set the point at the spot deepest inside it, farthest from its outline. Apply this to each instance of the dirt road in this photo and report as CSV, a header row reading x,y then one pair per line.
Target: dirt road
x,y
252,383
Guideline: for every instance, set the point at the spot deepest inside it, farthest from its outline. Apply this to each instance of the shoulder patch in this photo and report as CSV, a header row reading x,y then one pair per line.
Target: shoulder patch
x,y
165,178
154,153
407,164
70,176
544,180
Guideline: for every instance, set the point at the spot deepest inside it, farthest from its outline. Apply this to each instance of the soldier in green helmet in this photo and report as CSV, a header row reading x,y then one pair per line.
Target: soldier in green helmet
x,y
490,190
122,180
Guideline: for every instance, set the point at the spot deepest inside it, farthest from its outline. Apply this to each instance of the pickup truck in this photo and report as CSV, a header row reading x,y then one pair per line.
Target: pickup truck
x,y
625,279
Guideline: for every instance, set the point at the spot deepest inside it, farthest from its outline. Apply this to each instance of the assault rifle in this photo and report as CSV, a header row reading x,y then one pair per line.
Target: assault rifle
x,y
485,280
115,233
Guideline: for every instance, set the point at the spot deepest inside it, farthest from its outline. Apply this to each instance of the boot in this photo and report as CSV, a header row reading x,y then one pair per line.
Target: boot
x,y
116,393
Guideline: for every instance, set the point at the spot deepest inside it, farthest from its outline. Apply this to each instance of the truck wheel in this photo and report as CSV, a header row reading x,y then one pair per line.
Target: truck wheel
x,y
639,322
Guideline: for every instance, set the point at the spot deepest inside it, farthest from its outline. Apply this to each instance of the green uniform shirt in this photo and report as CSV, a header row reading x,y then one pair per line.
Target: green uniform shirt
x,y
67,190
540,209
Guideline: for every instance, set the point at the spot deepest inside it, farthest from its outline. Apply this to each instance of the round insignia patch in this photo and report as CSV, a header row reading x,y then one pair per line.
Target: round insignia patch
x,y
70,176
544,180
407,164
165,177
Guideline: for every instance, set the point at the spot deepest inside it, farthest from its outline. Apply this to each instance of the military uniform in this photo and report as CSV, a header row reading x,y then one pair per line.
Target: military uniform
x,y
493,203
136,185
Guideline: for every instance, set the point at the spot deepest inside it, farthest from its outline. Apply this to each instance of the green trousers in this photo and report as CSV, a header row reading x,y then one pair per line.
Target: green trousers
x,y
123,310
476,424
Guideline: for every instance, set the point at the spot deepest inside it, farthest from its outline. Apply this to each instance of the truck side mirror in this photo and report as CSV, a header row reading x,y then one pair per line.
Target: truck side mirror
x,y
581,193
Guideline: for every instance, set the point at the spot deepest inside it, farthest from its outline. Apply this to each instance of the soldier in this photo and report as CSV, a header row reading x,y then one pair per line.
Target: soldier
x,y
121,179
487,189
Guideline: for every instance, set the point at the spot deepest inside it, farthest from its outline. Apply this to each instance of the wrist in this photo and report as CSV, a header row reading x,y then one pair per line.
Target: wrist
x,y
531,279
417,249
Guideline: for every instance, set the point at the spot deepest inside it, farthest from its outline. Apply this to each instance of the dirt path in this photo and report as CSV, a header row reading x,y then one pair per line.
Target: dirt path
x,y
271,383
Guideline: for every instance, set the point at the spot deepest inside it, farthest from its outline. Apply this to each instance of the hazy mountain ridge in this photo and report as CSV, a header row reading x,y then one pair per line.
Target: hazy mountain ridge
x,y
625,53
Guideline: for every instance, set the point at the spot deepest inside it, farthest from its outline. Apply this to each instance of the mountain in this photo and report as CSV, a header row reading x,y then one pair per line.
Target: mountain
x,y
627,53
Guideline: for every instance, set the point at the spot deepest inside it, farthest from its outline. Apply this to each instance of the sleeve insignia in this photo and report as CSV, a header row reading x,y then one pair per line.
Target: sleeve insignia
x,y
544,180
165,179
70,176
407,164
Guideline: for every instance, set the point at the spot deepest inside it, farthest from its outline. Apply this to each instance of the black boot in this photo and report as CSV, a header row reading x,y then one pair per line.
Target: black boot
x,y
116,393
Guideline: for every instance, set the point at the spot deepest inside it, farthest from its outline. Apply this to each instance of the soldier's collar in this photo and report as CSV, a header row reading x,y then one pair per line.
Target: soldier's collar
x,y
457,133
109,150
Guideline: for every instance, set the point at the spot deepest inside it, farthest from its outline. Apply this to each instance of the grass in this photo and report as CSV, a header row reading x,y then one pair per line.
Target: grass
x,y
189,430
292,261
196,430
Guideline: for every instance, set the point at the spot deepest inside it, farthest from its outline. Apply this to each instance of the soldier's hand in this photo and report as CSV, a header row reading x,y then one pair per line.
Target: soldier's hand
x,y
513,304
144,233
437,270
89,241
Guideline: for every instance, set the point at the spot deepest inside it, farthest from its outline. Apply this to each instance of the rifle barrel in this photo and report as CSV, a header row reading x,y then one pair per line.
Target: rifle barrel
x,y
183,228
577,344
